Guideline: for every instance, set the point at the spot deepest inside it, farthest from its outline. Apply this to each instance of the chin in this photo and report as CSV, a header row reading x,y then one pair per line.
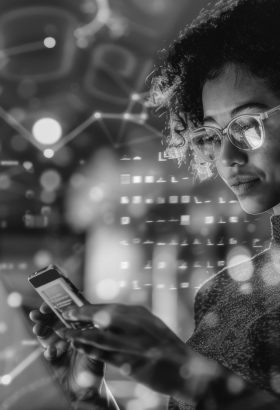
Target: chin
x,y
253,207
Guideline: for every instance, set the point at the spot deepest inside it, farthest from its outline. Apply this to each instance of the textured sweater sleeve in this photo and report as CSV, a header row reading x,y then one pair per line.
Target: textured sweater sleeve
x,y
200,307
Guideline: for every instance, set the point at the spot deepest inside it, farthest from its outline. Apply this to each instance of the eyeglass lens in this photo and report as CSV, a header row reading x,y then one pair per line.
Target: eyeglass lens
x,y
244,133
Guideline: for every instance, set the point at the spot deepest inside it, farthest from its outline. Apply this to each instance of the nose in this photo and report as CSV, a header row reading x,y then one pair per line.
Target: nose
x,y
231,155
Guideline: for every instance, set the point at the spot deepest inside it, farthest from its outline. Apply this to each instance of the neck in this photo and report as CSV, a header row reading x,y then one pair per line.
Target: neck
x,y
276,209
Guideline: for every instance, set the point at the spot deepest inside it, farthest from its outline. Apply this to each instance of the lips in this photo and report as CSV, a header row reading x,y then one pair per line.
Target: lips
x,y
242,179
242,184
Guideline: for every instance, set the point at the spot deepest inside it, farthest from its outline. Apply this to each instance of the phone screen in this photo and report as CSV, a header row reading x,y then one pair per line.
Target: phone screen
x,y
59,296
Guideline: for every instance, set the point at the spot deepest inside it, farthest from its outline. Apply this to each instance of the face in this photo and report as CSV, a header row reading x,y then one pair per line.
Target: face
x,y
253,176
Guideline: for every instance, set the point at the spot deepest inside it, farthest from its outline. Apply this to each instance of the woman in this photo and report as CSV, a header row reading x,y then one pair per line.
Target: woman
x,y
220,86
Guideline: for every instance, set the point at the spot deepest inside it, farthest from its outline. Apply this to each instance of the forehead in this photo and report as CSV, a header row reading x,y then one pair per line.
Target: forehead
x,y
233,87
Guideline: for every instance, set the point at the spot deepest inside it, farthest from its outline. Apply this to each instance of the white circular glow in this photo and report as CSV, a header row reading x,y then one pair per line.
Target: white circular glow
x,y
14,299
135,97
6,379
47,131
50,180
27,165
237,256
102,319
127,116
235,384
143,116
49,42
271,277
42,258
96,194
97,115
107,289
48,153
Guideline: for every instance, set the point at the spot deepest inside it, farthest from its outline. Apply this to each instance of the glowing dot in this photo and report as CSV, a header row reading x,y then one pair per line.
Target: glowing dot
x,y
270,276
102,318
29,194
235,384
42,258
14,299
6,379
27,165
85,379
50,180
107,289
211,319
127,116
47,131
96,194
246,288
135,97
143,116
50,42
97,115
5,181
235,257
3,327
48,153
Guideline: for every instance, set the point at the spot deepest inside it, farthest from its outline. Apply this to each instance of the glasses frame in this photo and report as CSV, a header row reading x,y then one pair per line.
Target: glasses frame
x,y
260,117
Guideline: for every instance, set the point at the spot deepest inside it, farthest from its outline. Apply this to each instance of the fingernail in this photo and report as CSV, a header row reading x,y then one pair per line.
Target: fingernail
x,y
69,314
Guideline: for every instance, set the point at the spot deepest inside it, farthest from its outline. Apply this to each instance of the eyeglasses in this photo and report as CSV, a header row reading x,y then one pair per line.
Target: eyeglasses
x,y
245,132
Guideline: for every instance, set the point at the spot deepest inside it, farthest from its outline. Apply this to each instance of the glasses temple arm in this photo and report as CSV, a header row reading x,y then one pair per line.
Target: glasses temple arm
x,y
268,113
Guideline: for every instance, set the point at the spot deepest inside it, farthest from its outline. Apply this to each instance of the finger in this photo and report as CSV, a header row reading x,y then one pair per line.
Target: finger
x,y
50,353
44,308
42,331
103,315
56,351
105,340
35,315
83,313
96,354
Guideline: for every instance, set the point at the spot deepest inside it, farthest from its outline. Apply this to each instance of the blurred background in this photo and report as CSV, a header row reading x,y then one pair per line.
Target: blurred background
x,y
85,183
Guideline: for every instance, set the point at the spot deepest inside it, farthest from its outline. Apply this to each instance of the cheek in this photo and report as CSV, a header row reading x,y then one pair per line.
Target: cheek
x,y
267,159
221,169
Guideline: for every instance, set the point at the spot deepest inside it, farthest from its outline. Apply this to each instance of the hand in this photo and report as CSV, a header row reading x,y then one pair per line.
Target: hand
x,y
132,338
66,361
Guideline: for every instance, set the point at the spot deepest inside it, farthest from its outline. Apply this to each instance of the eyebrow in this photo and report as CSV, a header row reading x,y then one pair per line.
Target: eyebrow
x,y
240,108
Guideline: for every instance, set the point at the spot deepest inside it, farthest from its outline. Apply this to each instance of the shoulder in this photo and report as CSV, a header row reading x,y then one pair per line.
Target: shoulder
x,y
225,284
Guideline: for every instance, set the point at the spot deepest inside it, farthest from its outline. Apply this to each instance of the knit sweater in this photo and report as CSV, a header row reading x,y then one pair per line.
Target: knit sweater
x,y
245,335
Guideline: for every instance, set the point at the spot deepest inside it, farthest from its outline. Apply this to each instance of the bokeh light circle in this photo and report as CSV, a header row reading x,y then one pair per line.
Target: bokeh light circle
x,y
47,131
50,180
107,289
235,257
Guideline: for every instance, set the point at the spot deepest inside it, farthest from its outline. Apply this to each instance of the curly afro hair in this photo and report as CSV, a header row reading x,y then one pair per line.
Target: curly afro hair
x,y
241,32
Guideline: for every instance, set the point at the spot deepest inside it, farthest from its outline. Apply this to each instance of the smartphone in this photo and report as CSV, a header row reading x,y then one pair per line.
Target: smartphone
x,y
58,292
